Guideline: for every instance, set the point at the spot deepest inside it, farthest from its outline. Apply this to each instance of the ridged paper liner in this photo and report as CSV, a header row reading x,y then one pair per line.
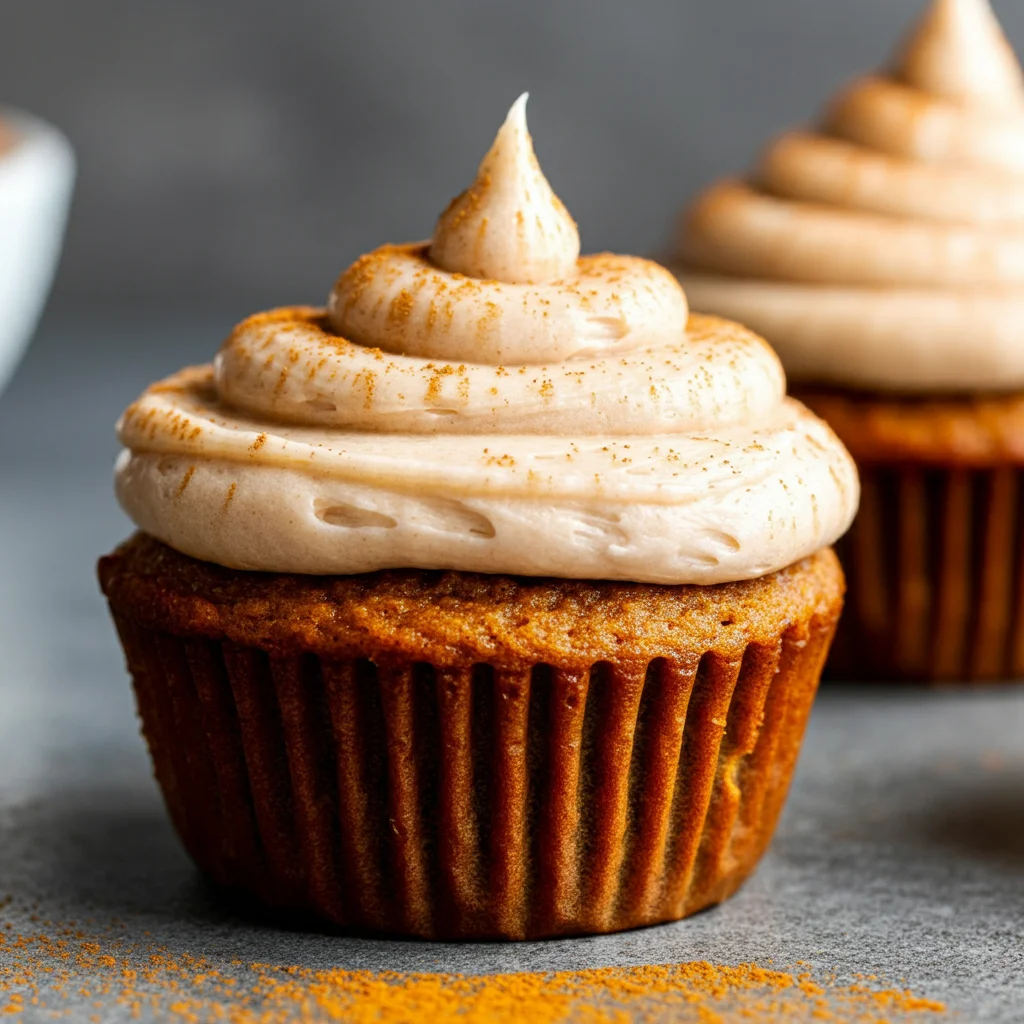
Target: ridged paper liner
x,y
404,799
935,569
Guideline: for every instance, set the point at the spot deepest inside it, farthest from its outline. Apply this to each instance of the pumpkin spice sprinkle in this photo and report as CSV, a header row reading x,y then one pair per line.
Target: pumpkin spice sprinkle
x,y
68,972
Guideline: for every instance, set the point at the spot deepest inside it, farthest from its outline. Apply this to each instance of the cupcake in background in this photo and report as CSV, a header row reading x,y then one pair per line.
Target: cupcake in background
x,y
489,601
882,255
37,173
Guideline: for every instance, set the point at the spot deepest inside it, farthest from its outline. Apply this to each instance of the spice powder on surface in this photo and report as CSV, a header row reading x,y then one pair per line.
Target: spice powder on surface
x,y
68,973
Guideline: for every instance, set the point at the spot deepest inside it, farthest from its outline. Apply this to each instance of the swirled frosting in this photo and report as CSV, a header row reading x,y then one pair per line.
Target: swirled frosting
x,y
886,250
490,401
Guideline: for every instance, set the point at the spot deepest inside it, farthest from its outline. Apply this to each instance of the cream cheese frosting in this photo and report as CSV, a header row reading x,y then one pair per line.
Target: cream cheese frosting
x,y
886,249
490,401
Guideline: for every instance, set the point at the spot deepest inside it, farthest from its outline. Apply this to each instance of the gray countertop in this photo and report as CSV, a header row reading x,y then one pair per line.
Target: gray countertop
x,y
901,852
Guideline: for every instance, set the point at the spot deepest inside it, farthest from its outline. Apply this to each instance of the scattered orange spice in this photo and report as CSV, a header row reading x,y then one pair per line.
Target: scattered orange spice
x,y
185,481
71,973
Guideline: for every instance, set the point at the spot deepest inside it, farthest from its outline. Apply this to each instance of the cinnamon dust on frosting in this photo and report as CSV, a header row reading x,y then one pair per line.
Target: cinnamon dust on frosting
x,y
886,248
490,401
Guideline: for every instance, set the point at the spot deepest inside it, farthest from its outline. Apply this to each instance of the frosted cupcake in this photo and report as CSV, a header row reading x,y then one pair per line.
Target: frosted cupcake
x,y
882,255
489,601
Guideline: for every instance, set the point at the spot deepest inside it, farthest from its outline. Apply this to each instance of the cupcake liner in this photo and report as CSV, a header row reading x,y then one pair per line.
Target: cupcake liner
x,y
935,569
399,797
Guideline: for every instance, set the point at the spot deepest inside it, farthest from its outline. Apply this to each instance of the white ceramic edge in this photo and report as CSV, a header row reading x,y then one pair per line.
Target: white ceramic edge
x,y
37,176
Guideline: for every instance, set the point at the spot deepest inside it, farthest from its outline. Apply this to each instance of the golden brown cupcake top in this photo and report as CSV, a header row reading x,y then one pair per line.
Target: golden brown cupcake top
x,y
453,619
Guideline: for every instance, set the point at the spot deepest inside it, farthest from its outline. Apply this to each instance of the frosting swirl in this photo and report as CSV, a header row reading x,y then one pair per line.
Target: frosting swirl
x,y
490,401
887,249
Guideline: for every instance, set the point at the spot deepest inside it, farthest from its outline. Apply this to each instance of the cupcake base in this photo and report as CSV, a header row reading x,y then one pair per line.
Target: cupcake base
x,y
453,756
935,559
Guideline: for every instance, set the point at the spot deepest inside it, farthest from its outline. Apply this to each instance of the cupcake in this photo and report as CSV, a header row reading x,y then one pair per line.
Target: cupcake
x,y
37,171
487,602
882,255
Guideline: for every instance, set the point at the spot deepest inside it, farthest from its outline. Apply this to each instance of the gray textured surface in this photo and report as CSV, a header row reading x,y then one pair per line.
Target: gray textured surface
x,y
901,852
250,149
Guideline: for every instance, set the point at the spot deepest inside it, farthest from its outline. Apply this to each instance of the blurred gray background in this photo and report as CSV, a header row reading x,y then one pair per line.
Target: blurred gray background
x,y
239,153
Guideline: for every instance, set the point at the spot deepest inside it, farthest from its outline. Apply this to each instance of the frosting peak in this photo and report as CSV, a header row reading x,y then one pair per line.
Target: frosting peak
x,y
503,283
508,225
958,52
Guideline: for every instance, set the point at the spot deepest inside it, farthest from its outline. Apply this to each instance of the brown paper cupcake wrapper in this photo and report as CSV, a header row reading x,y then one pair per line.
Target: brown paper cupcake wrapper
x,y
935,568
404,799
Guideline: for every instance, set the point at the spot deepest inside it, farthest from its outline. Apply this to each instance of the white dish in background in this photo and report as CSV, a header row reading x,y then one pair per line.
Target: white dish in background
x,y
37,174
